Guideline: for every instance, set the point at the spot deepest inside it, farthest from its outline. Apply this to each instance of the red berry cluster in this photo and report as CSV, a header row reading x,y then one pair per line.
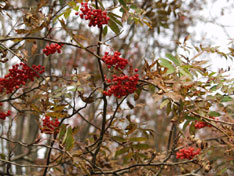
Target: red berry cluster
x,y
187,153
201,124
122,85
52,48
3,115
18,75
115,61
96,17
49,126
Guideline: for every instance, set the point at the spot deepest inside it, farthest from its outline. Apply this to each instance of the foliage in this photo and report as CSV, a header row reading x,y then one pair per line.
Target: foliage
x,y
99,105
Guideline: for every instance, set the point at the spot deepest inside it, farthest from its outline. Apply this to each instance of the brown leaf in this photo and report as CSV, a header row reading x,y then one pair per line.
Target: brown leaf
x,y
6,6
130,105
21,31
131,128
174,96
176,86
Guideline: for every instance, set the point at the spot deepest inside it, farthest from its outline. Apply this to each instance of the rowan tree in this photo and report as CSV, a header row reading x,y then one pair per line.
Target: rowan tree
x,y
92,88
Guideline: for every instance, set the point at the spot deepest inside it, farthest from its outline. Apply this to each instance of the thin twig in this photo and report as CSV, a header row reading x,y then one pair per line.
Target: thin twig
x,y
29,165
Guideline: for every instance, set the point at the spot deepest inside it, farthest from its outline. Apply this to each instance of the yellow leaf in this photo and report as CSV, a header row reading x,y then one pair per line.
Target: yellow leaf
x,y
131,128
56,114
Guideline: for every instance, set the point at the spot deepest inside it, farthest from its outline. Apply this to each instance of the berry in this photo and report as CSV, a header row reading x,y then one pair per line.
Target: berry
x,y
114,60
119,85
52,48
96,17
49,126
122,85
187,153
3,115
201,124
18,75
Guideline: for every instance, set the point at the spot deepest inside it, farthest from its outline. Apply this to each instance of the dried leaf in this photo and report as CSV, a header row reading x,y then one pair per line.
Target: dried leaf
x,y
164,103
131,128
174,96
21,31
138,139
118,139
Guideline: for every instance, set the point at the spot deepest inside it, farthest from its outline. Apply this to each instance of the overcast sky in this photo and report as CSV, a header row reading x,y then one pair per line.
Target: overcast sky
x,y
218,12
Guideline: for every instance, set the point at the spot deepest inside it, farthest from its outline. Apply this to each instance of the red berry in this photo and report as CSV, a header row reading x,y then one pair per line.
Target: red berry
x,y
49,126
3,115
52,48
187,153
19,75
121,85
96,17
114,60
201,124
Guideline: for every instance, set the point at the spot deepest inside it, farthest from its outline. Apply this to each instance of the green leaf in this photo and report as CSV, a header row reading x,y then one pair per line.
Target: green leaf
x,y
71,3
76,8
68,139
213,88
101,5
168,65
127,157
61,2
121,151
184,71
133,6
137,21
105,29
114,27
122,2
173,59
114,17
62,130
141,146
190,118
138,139
164,103
67,13
192,129
226,99
3,156
214,114
118,138
211,74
